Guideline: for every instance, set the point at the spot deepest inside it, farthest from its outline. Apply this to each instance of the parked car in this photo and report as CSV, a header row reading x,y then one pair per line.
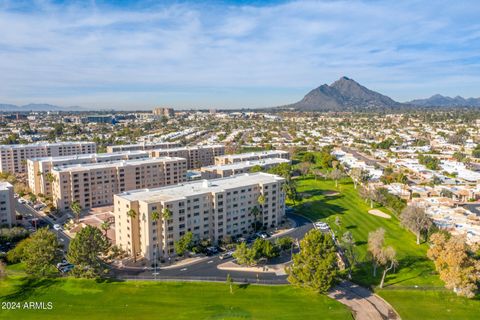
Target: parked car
x,y
39,206
211,251
226,255
22,201
262,235
66,268
322,226
241,239
62,264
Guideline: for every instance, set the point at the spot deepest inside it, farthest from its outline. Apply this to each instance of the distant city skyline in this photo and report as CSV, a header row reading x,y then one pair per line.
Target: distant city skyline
x,y
232,54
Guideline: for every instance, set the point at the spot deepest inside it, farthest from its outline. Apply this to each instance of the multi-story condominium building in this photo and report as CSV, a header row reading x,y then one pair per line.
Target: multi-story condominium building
x,y
13,157
7,205
163,112
143,146
94,184
226,170
197,157
39,169
251,156
210,209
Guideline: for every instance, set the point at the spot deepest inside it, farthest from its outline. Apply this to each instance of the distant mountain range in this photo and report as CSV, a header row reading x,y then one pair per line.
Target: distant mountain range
x,y
441,101
38,107
346,94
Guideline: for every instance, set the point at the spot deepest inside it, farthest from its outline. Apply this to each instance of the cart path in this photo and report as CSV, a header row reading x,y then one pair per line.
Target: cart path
x,y
364,304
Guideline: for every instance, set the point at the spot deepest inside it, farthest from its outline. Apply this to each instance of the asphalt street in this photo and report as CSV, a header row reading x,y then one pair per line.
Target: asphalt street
x,y
207,269
29,213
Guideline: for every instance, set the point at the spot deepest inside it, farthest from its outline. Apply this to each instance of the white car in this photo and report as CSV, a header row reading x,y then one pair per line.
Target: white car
x,y
22,201
321,226
39,206
57,227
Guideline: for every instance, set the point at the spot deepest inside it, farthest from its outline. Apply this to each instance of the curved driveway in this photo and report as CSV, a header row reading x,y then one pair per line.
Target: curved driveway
x,y
206,269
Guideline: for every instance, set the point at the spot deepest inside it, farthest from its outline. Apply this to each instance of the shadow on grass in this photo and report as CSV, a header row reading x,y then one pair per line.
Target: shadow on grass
x,y
27,288
319,209
243,286
108,280
411,268
353,226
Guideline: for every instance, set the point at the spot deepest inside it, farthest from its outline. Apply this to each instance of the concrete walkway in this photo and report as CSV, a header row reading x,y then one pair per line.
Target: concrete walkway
x,y
364,304
278,269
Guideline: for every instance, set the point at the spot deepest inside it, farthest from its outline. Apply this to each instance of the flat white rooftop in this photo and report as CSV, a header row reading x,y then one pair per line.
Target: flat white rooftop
x,y
180,191
43,144
253,154
90,156
119,163
247,164
191,148
141,144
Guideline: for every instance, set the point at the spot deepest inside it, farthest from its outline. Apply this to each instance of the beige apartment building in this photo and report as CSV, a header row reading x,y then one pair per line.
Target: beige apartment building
x,y
197,157
210,209
251,156
13,157
94,184
163,112
143,146
39,169
226,170
7,205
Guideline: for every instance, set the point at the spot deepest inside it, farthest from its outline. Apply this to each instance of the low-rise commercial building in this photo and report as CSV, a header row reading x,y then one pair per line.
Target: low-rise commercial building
x,y
226,170
94,184
39,169
197,157
251,156
13,157
148,222
143,146
7,205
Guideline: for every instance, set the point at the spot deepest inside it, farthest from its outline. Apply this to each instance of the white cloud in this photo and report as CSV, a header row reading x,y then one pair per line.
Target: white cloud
x,y
190,54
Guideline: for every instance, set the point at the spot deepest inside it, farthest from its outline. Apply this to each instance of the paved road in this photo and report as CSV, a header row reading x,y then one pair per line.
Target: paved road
x,y
29,213
360,156
364,304
207,269
474,207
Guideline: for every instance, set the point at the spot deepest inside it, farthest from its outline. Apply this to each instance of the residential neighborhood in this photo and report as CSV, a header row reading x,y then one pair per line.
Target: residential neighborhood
x,y
254,160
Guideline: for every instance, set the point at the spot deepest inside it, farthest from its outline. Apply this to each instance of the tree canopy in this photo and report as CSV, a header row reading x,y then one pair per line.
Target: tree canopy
x,y
315,266
85,250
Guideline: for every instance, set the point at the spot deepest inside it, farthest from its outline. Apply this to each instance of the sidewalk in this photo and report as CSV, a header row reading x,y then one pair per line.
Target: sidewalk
x,y
278,269
365,304
127,264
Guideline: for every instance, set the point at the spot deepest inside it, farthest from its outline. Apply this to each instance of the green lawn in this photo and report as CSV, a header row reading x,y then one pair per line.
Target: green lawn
x,y
87,299
414,268
431,304
434,302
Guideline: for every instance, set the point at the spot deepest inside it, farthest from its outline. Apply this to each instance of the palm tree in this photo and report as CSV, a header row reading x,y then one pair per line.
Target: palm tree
x,y
156,217
132,214
166,215
105,226
261,201
76,209
255,212
50,177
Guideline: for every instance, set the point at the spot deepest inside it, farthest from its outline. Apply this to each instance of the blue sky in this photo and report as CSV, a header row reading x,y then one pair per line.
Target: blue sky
x,y
229,54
